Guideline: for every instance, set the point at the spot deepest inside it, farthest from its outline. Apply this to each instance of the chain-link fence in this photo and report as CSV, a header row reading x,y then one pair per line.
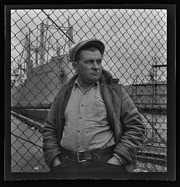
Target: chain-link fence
x,y
135,54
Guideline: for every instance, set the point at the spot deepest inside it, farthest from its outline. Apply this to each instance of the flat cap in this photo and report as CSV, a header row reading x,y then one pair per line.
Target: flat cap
x,y
95,42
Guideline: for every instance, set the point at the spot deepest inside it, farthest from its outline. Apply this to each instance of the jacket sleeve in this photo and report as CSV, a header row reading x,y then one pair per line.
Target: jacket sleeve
x,y
132,129
50,138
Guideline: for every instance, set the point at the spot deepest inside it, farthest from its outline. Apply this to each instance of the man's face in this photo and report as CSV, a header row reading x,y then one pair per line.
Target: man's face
x,y
89,67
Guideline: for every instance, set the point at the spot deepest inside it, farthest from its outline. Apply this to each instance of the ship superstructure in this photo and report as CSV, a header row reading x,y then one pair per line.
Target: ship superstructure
x,y
44,69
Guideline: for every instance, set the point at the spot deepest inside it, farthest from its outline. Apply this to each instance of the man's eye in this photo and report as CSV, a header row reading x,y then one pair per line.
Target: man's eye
x,y
88,61
99,61
92,61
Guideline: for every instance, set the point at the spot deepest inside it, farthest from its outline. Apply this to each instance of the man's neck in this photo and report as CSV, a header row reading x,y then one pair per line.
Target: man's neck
x,y
83,85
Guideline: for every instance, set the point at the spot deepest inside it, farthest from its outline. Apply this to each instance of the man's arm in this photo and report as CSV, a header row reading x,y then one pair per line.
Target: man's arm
x,y
50,138
115,159
132,130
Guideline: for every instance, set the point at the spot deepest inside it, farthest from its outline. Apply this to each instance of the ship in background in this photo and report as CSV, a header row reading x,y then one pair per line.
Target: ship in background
x,y
41,72
36,84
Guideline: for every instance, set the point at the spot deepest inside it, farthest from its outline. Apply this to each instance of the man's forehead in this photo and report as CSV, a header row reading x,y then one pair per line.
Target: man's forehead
x,y
86,54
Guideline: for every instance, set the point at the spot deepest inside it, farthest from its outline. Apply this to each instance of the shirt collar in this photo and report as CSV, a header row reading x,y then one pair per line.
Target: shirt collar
x,y
76,84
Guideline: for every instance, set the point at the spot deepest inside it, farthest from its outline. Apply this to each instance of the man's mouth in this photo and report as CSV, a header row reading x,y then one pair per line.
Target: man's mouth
x,y
95,74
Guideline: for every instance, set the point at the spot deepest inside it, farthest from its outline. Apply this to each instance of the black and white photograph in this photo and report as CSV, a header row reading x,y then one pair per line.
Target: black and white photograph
x,y
91,92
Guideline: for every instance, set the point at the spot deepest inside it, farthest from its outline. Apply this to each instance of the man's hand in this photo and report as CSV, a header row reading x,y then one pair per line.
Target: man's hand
x,y
56,161
113,160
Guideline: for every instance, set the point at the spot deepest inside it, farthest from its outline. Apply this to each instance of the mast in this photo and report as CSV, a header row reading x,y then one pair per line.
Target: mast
x,y
57,48
27,46
42,46
70,33
36,49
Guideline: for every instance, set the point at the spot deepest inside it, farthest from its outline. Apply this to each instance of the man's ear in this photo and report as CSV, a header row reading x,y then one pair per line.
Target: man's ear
x,y
74,64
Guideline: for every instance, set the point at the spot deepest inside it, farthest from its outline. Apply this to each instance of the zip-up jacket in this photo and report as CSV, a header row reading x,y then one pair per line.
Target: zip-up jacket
x,y
123,116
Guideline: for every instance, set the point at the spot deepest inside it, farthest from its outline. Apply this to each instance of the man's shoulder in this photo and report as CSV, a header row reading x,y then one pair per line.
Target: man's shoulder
x,y
62,90
117,86
119,89
66,86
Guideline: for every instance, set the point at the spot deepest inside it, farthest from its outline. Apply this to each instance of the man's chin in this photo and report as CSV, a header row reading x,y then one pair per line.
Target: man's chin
x,y
95,79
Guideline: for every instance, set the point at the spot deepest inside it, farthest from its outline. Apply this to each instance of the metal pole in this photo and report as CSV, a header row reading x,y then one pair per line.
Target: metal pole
x,y
42,44
58,26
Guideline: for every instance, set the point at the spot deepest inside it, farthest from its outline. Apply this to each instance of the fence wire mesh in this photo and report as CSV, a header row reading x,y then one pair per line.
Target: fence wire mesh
x,y
135,54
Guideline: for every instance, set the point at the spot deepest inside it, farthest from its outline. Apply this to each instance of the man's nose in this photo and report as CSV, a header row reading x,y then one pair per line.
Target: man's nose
x,y
95,65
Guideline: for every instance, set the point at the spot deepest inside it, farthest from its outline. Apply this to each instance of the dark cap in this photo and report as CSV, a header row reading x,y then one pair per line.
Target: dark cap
x,y
82,44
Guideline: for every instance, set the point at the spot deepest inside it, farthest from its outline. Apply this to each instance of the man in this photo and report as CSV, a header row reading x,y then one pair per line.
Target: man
x,y
93,125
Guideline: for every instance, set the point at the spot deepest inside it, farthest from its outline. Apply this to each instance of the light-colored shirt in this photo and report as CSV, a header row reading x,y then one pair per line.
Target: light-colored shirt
x,y
86,125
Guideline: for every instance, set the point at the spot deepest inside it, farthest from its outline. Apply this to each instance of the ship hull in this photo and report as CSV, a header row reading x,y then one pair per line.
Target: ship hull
x,y
42,84
33,98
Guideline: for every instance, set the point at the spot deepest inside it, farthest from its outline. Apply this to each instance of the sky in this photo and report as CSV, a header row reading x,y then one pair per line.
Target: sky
x,y
134,38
